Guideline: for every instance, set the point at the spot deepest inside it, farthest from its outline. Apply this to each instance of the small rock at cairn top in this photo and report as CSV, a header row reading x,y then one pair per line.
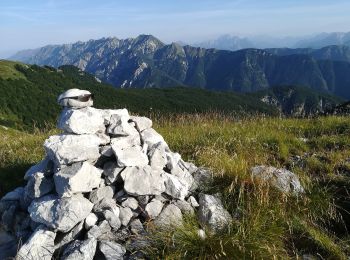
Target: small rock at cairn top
x,y
103,180
76,98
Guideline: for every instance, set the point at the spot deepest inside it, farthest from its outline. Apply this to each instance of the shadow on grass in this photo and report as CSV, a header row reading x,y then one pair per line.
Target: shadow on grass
x,y
11,177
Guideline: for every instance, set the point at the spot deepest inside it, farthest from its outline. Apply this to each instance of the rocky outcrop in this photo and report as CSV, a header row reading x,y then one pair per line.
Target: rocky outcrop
x,y
104,181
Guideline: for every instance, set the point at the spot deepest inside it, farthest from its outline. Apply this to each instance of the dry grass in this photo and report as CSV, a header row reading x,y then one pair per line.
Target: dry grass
x,y
271,225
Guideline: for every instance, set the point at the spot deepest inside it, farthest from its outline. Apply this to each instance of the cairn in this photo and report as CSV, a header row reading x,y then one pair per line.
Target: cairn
x,y
103,182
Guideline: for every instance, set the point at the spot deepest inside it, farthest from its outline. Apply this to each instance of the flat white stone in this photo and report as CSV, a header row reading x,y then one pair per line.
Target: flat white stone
x,y
112,250
77,178
132,156
123,142
107,114
68,149
143,181
101,193
81,121
61,214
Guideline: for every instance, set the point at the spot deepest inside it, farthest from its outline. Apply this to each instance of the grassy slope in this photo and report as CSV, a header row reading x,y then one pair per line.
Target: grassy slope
x,y
8,70
271,224
32,97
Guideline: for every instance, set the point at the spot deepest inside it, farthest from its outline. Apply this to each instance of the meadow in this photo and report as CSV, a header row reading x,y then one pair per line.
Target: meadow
x,y
267,223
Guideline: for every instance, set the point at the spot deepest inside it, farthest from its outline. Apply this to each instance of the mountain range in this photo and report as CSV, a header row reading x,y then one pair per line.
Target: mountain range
x,y
145,61
233,43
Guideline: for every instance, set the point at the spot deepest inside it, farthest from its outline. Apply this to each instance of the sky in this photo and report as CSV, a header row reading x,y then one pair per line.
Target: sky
x,y
26,24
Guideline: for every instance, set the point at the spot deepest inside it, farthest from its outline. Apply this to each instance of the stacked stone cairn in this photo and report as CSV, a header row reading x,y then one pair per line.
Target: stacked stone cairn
x,y
104,182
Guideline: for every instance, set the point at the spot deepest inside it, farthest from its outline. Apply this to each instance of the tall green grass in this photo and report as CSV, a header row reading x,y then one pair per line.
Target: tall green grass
x,y
267,224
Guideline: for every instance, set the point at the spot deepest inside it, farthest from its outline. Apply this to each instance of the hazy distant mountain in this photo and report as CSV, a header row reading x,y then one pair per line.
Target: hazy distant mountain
x,y
325,39
147,62
226,42
233,43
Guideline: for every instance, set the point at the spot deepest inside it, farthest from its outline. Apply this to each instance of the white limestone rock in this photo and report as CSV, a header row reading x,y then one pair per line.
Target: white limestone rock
x,y
39,246
101,193
143,181
77,178
112,250
69,236
212,214
170,216
100,232
175,187
172,160
130,156
282,179
142,123
106,204
151,138
80,250
183,175
123,142
125,215
108,113
192,200
45,166
113,219
61,214
154,208
68,149
157,156
90,221
81,121
202,177
120,126
131,203
184,206
38,185
106,151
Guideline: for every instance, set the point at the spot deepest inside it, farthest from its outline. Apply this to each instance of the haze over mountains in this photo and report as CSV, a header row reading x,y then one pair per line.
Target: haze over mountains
x,y
233,43
145,61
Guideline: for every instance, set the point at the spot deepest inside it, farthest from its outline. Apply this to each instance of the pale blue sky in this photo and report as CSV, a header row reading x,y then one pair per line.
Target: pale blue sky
x,y
33,23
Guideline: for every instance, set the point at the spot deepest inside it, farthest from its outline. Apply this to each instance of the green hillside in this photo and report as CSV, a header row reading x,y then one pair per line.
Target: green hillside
x,y
28,96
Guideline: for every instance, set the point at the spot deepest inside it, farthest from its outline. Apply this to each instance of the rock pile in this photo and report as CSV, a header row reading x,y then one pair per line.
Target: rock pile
x,y
103,182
